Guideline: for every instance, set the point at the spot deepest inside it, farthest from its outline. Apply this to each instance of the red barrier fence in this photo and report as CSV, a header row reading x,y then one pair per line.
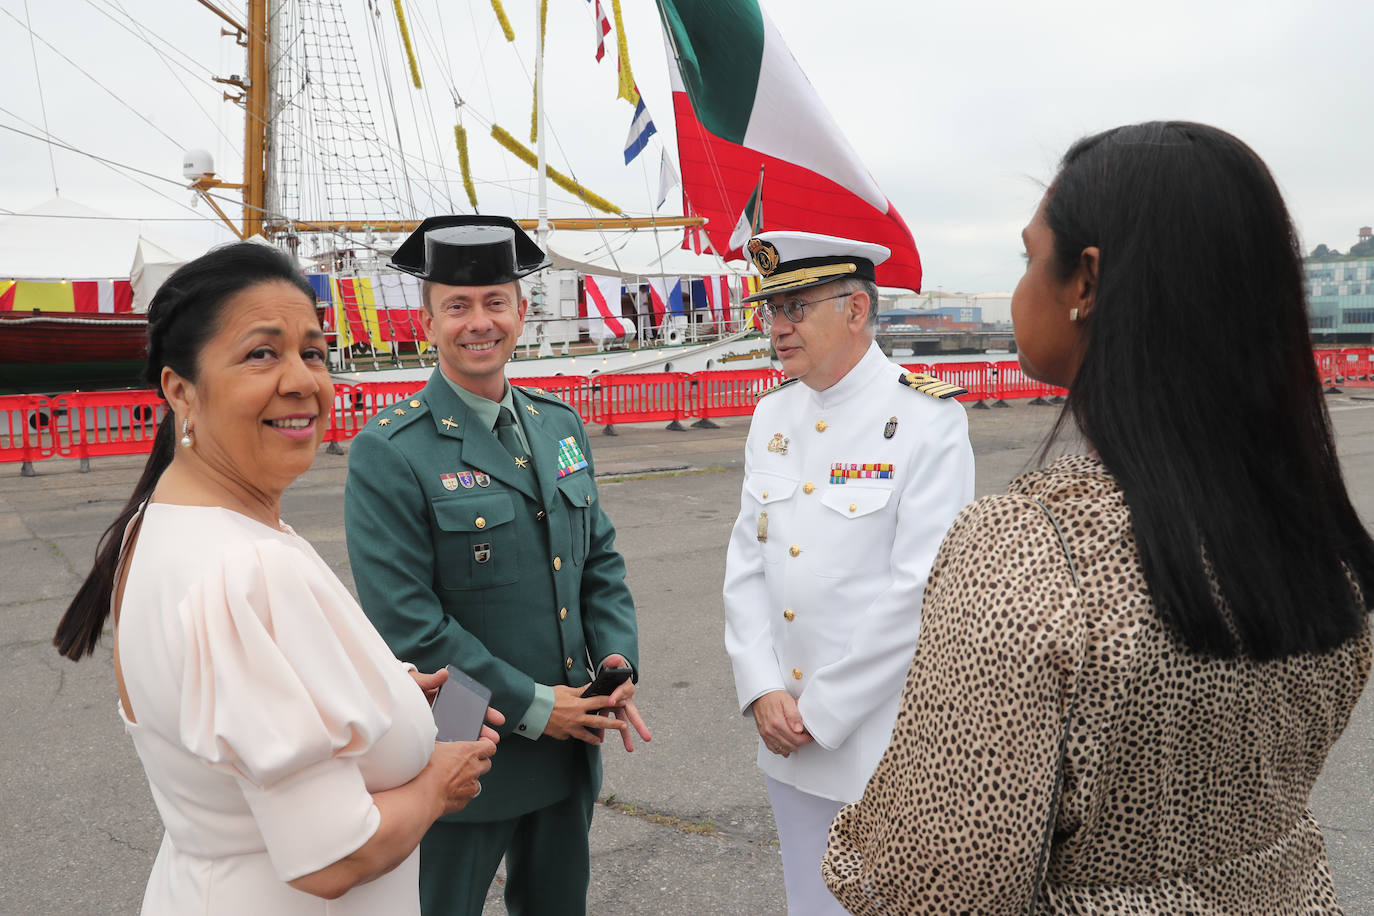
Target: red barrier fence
x,y
92,424
640,397
731,393
23,429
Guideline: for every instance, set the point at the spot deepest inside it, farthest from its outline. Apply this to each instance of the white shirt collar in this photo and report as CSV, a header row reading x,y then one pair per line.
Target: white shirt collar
x,y
865,372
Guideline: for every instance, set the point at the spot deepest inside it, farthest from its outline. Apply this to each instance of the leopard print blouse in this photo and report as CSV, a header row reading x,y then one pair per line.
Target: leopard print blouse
x,y
1185,780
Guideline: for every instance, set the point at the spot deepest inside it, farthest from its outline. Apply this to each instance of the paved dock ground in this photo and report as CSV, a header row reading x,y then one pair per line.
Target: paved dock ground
x,y
686,828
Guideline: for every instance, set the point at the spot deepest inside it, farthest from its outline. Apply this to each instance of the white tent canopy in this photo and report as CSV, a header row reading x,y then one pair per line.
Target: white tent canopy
x,y
64,240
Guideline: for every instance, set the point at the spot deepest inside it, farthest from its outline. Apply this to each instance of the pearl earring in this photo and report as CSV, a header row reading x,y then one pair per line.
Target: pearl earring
x,y
186,441
1073,314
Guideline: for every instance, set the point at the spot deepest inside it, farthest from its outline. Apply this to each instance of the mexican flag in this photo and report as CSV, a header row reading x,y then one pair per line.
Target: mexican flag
x,y
742,102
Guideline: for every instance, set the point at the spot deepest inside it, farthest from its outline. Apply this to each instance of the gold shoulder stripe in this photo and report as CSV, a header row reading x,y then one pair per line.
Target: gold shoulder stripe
x,y
926,383
777,387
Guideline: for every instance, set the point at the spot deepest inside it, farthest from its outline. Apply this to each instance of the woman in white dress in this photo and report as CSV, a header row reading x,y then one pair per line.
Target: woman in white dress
x,y
291,756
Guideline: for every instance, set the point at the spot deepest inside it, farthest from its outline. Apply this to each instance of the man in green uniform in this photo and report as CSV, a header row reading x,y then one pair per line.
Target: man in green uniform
x,y
477,539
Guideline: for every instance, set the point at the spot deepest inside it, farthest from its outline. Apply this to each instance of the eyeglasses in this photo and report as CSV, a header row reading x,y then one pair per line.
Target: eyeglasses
x,y
794,309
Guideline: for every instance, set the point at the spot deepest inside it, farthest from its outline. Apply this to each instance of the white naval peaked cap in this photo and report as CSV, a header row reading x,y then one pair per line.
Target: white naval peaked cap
x,y
796,260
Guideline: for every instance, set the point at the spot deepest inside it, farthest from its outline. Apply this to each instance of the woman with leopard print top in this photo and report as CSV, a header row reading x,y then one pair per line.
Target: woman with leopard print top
x,y
1133,664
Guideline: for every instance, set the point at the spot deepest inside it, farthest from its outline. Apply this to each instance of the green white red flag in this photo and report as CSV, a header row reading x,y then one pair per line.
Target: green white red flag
x,y
742,102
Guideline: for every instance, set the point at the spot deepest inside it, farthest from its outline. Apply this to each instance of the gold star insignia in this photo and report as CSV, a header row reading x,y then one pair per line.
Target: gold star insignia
x,y
530,408
522,462
384,421
399,411
449,423
414,403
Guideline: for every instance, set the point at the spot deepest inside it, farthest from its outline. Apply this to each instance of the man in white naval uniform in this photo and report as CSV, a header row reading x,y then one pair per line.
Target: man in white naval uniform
x,y
853,471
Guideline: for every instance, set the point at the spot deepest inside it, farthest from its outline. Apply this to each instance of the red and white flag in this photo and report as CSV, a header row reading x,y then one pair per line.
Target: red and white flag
x,y
603,28
718,298
602,301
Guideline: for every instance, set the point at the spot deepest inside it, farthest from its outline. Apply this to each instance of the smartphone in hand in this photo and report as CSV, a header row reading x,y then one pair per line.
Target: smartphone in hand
x,y
607,681
461,707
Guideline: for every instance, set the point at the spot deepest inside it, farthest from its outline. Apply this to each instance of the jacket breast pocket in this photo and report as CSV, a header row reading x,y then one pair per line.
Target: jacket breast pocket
x,y
578,496
773,516
476,543
860,532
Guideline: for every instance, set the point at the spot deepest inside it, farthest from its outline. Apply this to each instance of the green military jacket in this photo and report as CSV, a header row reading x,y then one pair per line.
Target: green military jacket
x,y
460,557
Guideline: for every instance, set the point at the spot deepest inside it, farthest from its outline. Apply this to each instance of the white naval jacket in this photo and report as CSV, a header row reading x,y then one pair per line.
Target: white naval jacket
x,y
823,597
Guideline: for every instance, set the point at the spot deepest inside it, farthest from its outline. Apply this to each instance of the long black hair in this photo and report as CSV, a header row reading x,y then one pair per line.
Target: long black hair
x,y
1200,394
182,317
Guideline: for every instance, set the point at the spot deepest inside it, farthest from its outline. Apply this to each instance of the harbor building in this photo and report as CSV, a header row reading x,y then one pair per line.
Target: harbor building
x,y
1340,293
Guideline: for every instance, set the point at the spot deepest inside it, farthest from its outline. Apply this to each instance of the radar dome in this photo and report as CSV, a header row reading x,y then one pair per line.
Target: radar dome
x,y
196,163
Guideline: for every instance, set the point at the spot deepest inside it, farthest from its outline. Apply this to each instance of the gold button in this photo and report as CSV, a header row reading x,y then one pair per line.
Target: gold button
x,y
765,494
794,550
808,488
788,615
820,426
414,403
568,664
481,522
557,562
796,673
540,515
562,613
853,508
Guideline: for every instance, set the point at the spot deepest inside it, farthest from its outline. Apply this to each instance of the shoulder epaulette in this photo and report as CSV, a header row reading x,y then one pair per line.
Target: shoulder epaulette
x,y
391,418
926,383
778,387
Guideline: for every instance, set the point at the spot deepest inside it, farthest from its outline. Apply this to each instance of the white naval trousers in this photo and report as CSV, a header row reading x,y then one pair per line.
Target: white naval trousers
x,y
803,823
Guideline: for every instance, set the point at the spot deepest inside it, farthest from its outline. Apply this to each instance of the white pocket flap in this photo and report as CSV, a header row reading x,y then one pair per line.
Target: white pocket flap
x,y
855,500
769,488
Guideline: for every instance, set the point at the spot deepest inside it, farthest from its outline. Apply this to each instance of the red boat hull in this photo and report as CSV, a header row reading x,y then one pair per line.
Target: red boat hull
x,y
61,337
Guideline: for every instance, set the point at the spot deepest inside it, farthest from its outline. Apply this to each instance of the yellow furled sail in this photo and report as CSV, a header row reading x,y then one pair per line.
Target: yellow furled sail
x,y
543,36
628,92
503,137
460,136
405,40
501,18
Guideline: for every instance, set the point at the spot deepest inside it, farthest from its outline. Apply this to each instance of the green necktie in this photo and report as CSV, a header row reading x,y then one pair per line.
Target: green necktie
x,y
506,434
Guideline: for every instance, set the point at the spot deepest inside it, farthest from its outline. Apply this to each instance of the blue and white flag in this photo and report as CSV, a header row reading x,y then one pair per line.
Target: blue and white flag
x,y
641,129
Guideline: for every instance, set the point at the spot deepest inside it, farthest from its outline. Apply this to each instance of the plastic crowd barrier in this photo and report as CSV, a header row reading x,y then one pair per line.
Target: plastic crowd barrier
x,y
94,424
84,425
641,397
24,436
731,392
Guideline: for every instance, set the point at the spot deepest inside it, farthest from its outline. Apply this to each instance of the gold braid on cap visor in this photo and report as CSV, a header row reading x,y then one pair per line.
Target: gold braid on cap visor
x,y
805,275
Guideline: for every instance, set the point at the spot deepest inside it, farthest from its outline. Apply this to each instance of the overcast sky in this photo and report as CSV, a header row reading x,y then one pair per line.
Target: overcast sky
x,y
960,110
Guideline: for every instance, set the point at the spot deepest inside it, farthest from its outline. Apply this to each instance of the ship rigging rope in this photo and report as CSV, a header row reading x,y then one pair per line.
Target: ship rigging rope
x,y
114,95
108,163
42,103
138,32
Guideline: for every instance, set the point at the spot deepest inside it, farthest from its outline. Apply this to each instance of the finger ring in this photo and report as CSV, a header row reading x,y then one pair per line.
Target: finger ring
x,y
478,792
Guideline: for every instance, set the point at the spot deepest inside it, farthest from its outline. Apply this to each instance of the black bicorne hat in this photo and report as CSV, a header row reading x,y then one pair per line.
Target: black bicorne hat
x,y
469,251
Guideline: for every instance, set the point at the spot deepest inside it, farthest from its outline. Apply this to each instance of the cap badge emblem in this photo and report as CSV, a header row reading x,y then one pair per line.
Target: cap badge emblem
x,y
764,256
